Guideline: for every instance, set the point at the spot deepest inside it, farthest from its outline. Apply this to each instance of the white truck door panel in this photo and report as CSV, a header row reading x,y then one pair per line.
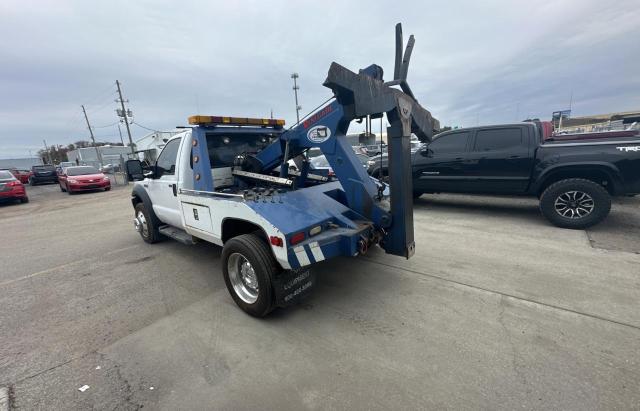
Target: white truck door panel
x,y
197,216
162,191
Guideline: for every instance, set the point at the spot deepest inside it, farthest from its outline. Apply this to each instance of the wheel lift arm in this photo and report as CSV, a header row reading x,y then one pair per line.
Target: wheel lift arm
x,y
358,95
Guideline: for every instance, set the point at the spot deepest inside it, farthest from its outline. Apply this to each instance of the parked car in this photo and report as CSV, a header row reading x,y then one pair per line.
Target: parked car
x,y
43,174
110,168
376,149
574,179
21,175
83,178
64,164
11,188
320,165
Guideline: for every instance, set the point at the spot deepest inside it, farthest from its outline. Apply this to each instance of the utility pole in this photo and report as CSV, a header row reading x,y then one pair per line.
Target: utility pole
x,y
295,77
124,116
92,137
120,132
46,149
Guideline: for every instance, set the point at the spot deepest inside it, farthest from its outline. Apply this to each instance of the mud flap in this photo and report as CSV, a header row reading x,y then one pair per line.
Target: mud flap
x,y
292,286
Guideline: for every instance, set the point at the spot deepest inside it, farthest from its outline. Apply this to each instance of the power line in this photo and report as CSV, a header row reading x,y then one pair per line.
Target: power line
x,y
101,95
95,110
105,126
146,128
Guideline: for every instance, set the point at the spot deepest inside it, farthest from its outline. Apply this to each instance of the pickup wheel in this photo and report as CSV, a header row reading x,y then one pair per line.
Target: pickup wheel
x,y
248,267
145,224
575,203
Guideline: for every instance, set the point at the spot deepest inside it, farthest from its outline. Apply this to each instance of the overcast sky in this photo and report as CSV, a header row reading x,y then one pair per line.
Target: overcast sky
x,y
474,61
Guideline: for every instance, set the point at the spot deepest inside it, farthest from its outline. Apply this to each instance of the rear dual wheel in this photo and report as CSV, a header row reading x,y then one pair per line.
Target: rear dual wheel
x,y
248,267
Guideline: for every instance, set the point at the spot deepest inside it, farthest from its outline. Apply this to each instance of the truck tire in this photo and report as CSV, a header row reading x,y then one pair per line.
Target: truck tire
x,y
148,227
575,203
248,268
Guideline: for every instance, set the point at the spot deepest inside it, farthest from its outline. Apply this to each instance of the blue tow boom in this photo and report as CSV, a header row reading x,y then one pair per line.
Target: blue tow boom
x,y
355,96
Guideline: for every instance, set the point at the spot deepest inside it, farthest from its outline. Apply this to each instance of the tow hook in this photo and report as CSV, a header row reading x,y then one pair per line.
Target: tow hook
x,y
137,224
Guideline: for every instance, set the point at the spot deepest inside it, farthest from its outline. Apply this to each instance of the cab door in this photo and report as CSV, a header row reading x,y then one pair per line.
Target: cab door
x,y
501,159
440,166
163,187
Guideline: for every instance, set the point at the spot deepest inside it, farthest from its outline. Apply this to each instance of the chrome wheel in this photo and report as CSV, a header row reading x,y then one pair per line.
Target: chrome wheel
x,y
243,278
574,204
141,224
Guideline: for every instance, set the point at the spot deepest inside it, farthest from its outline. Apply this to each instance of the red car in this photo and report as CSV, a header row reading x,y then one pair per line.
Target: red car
x,y
11,188
22,175
83,178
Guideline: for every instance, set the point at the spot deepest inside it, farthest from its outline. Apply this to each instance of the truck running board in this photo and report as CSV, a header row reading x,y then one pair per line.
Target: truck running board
x,y
177,234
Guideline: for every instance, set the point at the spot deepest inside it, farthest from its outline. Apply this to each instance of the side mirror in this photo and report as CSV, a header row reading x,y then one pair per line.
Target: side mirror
x,y
134,170
156,172
426,151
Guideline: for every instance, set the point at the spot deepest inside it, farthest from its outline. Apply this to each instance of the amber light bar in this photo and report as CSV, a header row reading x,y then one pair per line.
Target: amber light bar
x,y
235,121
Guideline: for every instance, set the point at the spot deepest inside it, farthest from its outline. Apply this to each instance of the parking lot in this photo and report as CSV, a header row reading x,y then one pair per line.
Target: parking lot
x,y
497,310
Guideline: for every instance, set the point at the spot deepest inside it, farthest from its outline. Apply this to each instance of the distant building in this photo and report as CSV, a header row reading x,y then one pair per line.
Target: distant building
x,y
89,155
598,122
20,163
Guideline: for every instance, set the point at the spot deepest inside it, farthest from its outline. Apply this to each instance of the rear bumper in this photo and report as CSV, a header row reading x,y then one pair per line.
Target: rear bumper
x,y
13,195
39,180
332,243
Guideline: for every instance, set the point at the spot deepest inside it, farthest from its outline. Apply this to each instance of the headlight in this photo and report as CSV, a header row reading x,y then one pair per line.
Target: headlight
x,y
72,181
371,163
106,178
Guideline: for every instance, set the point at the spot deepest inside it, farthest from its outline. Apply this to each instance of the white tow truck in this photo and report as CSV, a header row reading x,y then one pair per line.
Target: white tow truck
x,y
226,180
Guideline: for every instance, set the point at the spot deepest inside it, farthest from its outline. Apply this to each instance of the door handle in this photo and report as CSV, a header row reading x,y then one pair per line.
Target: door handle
x,y
175,190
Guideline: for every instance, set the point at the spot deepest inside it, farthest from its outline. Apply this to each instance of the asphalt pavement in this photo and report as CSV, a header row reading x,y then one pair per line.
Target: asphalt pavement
x,y
497,310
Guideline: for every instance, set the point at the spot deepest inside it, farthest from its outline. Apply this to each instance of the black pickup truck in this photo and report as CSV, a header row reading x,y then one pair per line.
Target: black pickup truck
x,y
574,179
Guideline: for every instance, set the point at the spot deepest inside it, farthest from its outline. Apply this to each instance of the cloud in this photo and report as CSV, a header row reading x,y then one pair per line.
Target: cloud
x,y
486,62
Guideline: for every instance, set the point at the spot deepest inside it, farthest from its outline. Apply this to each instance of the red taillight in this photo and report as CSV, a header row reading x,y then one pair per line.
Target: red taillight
x,y
296,238
277,241
14,183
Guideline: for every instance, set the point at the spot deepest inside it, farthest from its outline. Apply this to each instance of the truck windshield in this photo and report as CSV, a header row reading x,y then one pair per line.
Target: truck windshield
x,y
223,148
